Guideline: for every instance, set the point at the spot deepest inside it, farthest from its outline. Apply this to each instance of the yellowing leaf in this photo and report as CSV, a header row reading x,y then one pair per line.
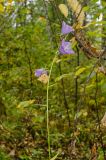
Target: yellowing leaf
x,y
103,121
64,10
1,1
77,10
1,8
73,42
10,1
42,19
82,112
25,103
77,133
85,113
62,76
79,71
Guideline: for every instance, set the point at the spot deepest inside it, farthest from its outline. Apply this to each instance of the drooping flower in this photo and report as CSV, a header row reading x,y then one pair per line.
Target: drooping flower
x,y
65,48
66,28
39,72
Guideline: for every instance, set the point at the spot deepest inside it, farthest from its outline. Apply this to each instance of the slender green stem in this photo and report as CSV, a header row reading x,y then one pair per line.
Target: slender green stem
x,y
47,105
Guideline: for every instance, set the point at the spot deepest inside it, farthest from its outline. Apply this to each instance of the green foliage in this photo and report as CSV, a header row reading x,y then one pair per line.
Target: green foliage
x,y
3,156
75,95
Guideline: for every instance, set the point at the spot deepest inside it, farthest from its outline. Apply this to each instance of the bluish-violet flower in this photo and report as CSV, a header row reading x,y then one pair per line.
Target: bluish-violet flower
x,y
39,72
66,28
65,48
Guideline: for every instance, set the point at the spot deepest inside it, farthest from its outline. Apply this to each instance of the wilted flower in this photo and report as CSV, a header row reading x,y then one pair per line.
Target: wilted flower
x,y
42,75
39,72
65,48
66,28
43,78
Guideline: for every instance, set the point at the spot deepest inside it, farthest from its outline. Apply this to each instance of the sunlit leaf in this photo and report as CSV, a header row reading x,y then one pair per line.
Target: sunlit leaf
x,y
86,8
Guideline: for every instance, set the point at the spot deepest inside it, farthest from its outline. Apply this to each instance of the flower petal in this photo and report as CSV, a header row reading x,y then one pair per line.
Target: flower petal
x,y
39,72
65,48
66,28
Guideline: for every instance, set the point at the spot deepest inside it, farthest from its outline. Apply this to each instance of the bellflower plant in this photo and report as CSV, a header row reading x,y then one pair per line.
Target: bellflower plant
x,y
65,48
66,28
39,72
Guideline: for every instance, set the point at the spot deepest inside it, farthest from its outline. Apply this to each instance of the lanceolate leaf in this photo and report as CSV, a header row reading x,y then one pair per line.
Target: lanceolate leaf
x,y
25,103
79,71
64,10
